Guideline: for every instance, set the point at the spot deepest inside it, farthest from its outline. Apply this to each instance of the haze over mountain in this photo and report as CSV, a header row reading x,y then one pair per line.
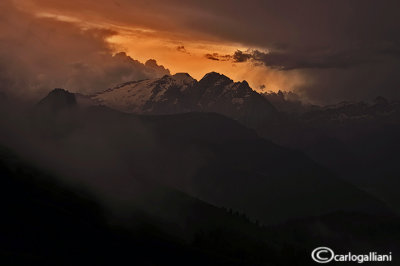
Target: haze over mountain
x,y
202,154
329,134
171,227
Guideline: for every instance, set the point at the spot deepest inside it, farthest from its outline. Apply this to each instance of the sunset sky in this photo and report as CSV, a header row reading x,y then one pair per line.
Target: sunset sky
x,y
325,51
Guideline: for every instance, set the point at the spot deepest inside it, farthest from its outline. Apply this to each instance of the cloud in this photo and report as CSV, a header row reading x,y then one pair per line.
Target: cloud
x,y
213,56
364,82
336,75
182,49
313,59
315,39
240,56
39,54
218,57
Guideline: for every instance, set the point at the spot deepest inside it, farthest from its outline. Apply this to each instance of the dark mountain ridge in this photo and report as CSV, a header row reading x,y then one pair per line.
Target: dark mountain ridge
x,y
181,93
205,155
354,139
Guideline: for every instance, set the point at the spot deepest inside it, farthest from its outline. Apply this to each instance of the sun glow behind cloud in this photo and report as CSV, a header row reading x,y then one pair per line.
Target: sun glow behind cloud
x,y
190,56
177,51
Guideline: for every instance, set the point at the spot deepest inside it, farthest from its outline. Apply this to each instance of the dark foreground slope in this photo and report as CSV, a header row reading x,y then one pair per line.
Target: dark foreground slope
x,y
45,222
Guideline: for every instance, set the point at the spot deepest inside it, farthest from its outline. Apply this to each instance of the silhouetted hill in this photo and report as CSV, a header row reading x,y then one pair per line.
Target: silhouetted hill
x,y
58,99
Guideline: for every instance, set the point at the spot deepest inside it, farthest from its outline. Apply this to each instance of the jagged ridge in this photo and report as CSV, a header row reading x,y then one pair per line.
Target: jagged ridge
x,y
181,93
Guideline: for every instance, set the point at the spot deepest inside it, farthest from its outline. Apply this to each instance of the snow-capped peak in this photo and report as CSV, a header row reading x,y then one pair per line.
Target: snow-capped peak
x,y
182,93
183,77
214,77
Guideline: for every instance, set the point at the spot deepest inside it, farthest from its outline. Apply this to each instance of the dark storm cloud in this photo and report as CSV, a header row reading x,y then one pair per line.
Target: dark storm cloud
x,y
213,56
316,59
240,56
340,47
218,57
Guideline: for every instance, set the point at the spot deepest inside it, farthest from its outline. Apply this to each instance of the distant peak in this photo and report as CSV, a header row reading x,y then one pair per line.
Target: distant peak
x,y
245,83
166,77
212,73
182,76
58,92
214,76
58,99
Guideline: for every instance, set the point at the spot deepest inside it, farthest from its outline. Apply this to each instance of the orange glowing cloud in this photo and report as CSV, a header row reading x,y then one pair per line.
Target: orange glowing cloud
x,y
144,37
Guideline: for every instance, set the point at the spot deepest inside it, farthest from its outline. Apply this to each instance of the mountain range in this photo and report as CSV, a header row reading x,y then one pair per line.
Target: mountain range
x,y
209,168
206,155
341,137
181,93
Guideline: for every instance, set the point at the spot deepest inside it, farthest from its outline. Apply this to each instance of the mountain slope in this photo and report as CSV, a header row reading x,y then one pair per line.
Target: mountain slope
x,y
205,155
164,95
357,140
46,222
181,93
43,219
